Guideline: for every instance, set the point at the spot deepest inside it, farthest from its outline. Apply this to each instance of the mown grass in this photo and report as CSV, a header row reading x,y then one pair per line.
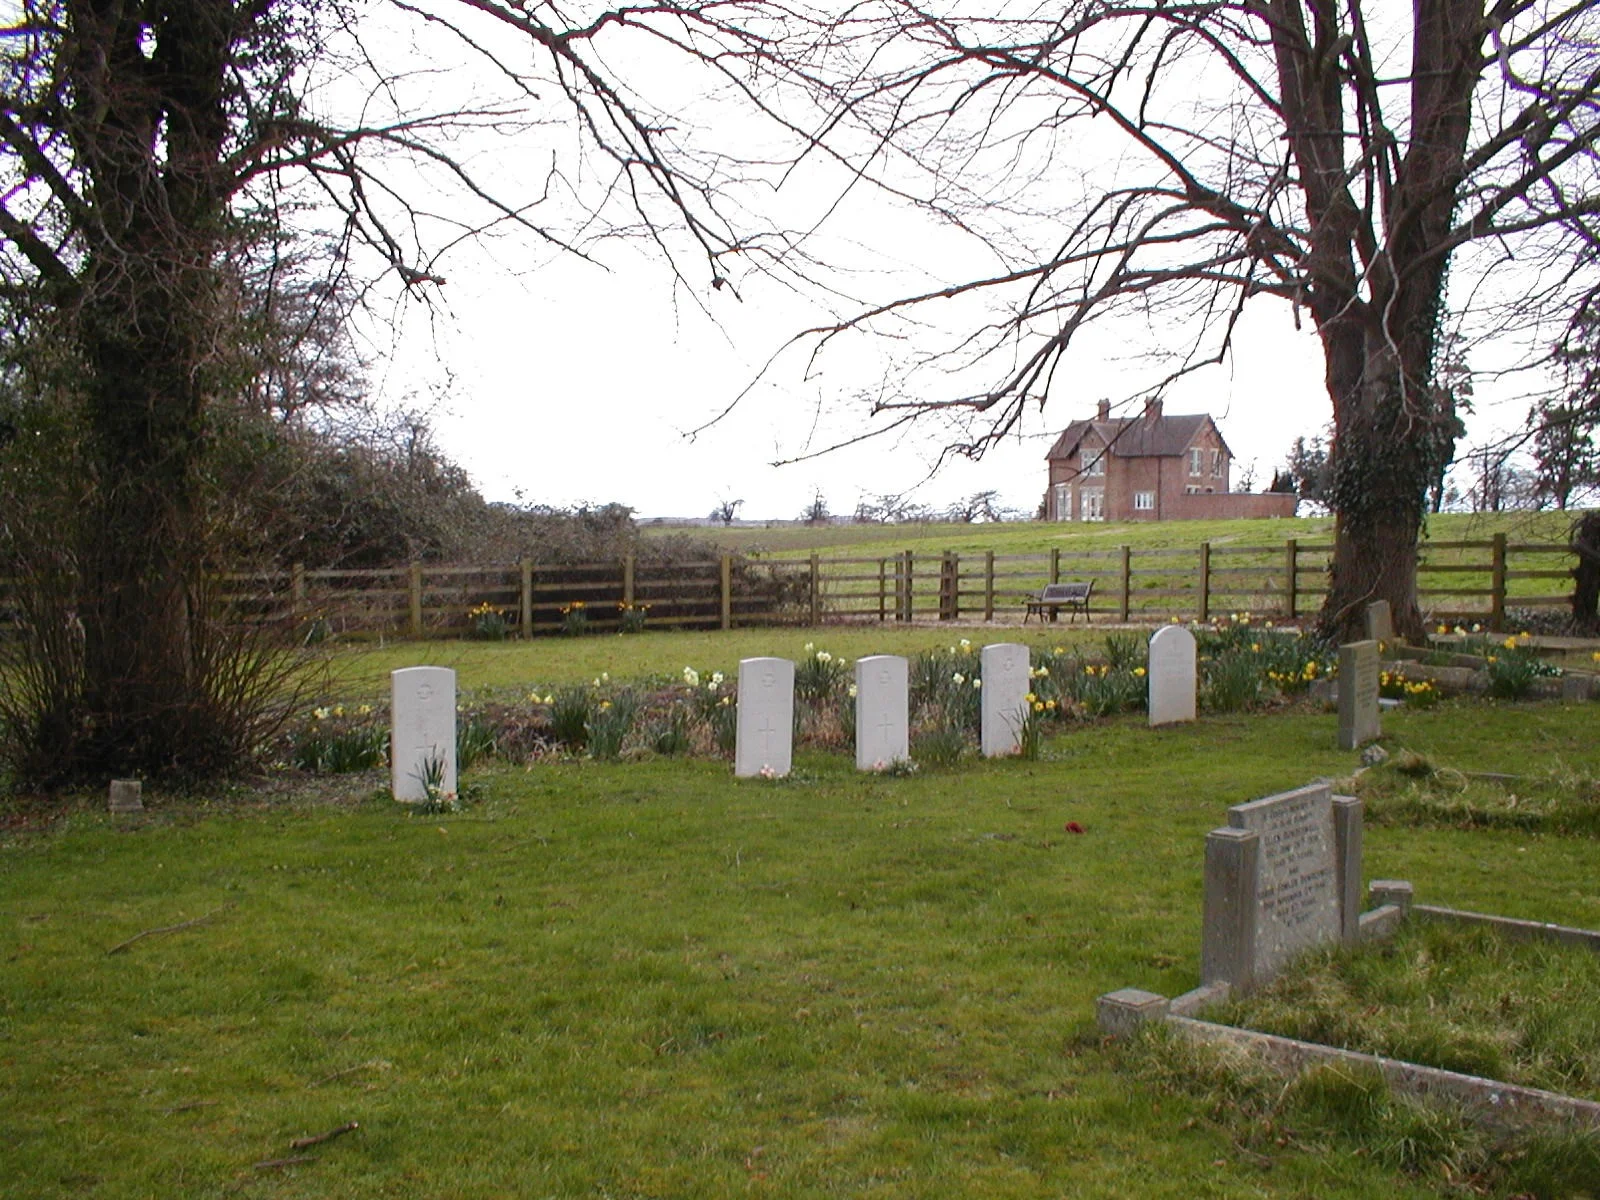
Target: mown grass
x,y
649,979
362,672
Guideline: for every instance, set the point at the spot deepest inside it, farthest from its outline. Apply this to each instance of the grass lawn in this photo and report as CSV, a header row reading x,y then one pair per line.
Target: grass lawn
x,y
1031,537
649,979
362,672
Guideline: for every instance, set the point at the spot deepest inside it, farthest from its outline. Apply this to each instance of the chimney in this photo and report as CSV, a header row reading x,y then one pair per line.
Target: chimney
x,y
1152,410
1103,411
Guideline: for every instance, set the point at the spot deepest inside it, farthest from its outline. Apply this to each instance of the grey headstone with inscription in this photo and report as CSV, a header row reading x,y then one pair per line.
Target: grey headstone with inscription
x,y
422,740
764,739
1284,877
1358,694
883,735
1380,622
1172,675
1004,706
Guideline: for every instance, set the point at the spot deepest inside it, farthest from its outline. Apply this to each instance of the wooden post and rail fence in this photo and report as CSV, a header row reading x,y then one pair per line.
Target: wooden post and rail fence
x,y
1484,581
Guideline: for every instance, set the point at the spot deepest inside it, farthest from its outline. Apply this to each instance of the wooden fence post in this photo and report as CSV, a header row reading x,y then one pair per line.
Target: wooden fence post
x,y
416,599
910,597
1127,583
883,580
1055,564
1205,581
297,590
726,576
988,585
816,589
628,565
949,604
1497,601
1291,586
527,598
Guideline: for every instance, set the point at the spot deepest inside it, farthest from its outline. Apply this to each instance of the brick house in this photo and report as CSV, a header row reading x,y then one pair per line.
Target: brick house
x,y
1148,468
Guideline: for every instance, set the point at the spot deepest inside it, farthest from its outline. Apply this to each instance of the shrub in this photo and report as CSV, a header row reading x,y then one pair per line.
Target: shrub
x,y
670,734
330,744
569,717
1231,683
476,739
819,676
574,619
487,623
610,723
939,746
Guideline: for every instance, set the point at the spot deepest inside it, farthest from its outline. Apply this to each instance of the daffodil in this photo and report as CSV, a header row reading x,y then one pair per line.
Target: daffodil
x,y
958,679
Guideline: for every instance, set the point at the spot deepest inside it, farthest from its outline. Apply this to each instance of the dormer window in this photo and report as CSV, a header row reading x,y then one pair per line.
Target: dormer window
x,y
1094,460
1216,463
1196,460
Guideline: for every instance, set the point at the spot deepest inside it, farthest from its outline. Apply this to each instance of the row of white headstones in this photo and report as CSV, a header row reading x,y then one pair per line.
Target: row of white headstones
x,y
423,742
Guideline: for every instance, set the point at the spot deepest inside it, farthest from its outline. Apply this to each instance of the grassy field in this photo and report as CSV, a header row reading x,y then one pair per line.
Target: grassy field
x,y
1031,537
649,979
1245,564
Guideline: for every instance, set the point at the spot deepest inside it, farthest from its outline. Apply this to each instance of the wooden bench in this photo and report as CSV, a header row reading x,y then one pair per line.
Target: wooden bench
x,y
1071,596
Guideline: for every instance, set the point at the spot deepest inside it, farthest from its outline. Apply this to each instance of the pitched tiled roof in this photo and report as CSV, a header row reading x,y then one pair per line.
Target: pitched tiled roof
x,y
1136,437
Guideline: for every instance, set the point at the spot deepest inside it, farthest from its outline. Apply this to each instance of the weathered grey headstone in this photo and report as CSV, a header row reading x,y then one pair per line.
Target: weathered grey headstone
x,y
1380,622
1282,878
1575,687
1358,694
126,795
883,735
1004,706
422,741
764,741
1172,675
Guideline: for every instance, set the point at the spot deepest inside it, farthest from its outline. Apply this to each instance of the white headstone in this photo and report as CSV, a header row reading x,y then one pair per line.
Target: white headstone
x,y
883,735
765,738
423,708
1005,697
1172,675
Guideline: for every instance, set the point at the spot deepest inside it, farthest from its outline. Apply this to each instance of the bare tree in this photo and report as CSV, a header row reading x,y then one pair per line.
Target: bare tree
x,y
1338,160
141,147
726,511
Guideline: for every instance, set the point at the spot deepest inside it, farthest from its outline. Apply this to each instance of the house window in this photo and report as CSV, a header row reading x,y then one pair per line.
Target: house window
x,y
1196,460
1144,500
1093,504
1216,463
1191,490
1063,502
1094,462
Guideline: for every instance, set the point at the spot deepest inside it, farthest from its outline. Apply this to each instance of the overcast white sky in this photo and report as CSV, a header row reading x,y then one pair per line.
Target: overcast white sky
x,y
559,381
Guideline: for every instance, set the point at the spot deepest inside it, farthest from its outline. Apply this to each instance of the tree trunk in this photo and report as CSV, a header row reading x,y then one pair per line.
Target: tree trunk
x,y
1585,540
1385,452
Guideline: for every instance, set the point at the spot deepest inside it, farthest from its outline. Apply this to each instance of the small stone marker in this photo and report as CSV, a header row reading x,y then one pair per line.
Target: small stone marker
x,y
1004,704
764,743
423,704
883,734
1172,675
1358,694
1575,688
126,796
1380,623
1284,877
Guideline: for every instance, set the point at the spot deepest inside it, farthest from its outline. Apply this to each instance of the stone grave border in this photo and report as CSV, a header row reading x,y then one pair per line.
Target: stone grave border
x,y
1489,1102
